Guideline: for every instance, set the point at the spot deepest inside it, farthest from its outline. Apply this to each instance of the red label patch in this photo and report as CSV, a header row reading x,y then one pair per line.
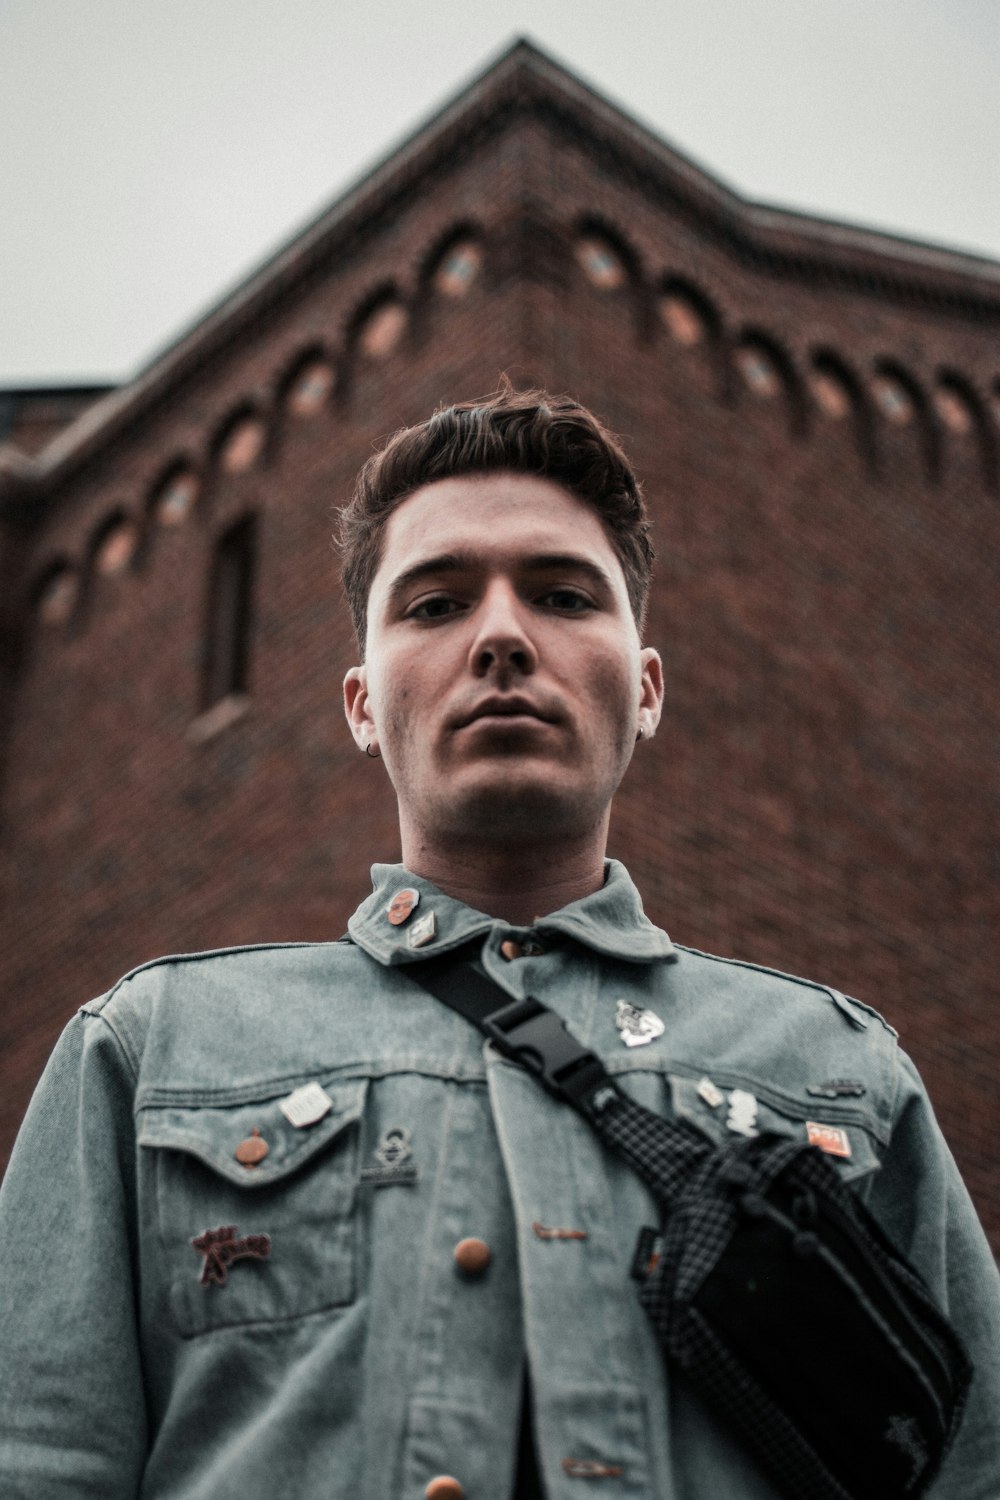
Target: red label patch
x,y
832,1139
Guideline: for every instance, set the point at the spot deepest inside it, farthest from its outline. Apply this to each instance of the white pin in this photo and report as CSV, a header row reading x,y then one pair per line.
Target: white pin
x,y
742,1117
638,1027
709,1093
306,1105
422,932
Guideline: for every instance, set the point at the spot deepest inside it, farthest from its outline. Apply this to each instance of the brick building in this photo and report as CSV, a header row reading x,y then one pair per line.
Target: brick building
x,y
816,414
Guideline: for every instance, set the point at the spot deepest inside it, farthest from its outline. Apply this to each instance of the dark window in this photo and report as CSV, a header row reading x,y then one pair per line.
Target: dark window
x,y
230,601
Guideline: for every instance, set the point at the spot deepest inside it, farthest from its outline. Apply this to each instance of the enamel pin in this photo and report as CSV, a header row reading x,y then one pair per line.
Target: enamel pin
x,y
638,1027
742,1117
401,905
306,1105
393,1157
708,1093
833,1139
422,932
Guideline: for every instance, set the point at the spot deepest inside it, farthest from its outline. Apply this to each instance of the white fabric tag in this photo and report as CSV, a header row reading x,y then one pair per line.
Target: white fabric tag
x,y
306,1105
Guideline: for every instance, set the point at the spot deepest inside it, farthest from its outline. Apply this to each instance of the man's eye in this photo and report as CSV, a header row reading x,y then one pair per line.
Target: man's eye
x,y
568,601
437,607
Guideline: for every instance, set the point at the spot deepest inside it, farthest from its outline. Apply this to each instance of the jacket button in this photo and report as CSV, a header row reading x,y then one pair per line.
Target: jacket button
x,y
443,1487
510,949
472,1257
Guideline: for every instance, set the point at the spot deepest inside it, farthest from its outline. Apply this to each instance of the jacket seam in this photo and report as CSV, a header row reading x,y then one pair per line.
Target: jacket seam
x,y
120,1042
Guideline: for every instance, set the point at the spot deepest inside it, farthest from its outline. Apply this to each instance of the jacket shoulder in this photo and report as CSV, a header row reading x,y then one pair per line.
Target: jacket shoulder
x,y
759,979
182,984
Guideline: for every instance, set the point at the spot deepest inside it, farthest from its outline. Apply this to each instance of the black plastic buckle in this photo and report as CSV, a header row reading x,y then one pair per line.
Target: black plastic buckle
x,y
530,1034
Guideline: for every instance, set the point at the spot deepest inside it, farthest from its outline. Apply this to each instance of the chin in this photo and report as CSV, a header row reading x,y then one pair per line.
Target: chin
x,y
520,810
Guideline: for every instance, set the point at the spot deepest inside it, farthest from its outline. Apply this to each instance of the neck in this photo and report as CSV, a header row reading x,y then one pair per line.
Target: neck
x,y
516,882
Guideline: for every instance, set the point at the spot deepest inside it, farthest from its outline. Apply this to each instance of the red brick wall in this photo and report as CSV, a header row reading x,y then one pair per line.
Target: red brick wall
x,y
823,789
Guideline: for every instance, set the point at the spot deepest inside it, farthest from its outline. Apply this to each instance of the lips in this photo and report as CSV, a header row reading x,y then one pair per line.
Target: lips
x,y
503,708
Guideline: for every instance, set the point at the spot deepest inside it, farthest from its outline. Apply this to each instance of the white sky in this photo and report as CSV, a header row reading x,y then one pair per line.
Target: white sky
x,y
156,151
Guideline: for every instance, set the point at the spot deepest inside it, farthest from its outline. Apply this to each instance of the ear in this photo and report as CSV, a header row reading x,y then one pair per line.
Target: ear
x,y
356,708
650,691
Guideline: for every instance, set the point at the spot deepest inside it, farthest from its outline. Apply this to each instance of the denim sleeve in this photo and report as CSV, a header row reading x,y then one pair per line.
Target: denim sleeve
x,y
921,1202
72,1410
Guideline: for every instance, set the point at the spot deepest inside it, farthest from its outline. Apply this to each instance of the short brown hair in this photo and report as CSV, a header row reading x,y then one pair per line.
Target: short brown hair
x,y
528,432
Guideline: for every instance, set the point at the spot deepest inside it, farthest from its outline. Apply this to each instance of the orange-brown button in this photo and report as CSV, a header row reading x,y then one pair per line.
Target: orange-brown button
x,y
444,1487
401,905
472,1256
253,1150
510,949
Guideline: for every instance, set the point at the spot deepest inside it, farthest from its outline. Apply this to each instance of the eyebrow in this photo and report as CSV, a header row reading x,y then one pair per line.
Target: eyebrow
x,y
460,562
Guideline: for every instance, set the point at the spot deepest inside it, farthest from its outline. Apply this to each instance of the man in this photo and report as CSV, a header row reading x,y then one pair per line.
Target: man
x,y
280,1224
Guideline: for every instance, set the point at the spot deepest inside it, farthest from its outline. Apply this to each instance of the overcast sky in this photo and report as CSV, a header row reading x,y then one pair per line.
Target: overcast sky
x,y
155,151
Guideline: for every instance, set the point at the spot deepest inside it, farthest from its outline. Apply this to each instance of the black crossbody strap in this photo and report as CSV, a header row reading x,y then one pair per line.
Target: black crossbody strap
x,y
526,1031
662,1151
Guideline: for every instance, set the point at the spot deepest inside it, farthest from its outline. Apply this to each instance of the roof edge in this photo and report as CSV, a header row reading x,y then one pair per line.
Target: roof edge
x,y
523,72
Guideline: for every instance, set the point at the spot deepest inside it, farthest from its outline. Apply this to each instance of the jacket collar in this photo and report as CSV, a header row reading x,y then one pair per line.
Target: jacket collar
x,y
611,921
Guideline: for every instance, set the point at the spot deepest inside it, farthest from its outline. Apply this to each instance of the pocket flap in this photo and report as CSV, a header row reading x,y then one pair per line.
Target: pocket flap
x,y
212,1133
839,1130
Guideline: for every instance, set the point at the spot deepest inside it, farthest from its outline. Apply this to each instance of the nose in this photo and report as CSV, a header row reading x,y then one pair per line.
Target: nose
x,y
503,642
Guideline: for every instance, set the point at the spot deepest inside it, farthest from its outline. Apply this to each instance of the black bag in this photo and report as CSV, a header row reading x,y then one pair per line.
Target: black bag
x,y
798,1323
771,1286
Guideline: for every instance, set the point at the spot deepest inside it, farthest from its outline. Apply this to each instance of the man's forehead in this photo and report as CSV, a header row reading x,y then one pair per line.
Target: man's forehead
x,y
503,518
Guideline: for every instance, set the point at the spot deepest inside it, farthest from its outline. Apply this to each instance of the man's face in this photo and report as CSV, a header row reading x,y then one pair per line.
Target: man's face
x,y
504,682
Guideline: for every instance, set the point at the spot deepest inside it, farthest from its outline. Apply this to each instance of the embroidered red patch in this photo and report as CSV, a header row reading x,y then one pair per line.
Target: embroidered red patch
x,y
220,1247
545,1233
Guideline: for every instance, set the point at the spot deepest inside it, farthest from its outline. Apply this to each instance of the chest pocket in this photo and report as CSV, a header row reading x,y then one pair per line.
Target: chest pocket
x,y
276,1239
843,1130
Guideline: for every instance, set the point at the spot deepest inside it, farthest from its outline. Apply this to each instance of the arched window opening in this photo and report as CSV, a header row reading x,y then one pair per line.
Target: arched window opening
x,y
458,267
893,398
229,614
57,594
174,501
964,419
836,397
830,392
242,444
954,410
759,371
310,387
901,403
685,318
115,546
600,262
382,329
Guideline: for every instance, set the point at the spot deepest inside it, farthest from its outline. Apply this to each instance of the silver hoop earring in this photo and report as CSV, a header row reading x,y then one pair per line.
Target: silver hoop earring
x,y
368,751
640,734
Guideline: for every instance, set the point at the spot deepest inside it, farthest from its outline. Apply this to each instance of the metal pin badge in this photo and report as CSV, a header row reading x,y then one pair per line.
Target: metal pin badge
x,y
305,1105
709,1094
833,1139
401,905
393,1157
251,1152
637,1026
422,932
836,1088
742,1116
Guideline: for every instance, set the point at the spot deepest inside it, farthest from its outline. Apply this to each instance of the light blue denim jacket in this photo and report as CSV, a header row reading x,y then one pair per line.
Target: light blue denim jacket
x,y
357,1361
